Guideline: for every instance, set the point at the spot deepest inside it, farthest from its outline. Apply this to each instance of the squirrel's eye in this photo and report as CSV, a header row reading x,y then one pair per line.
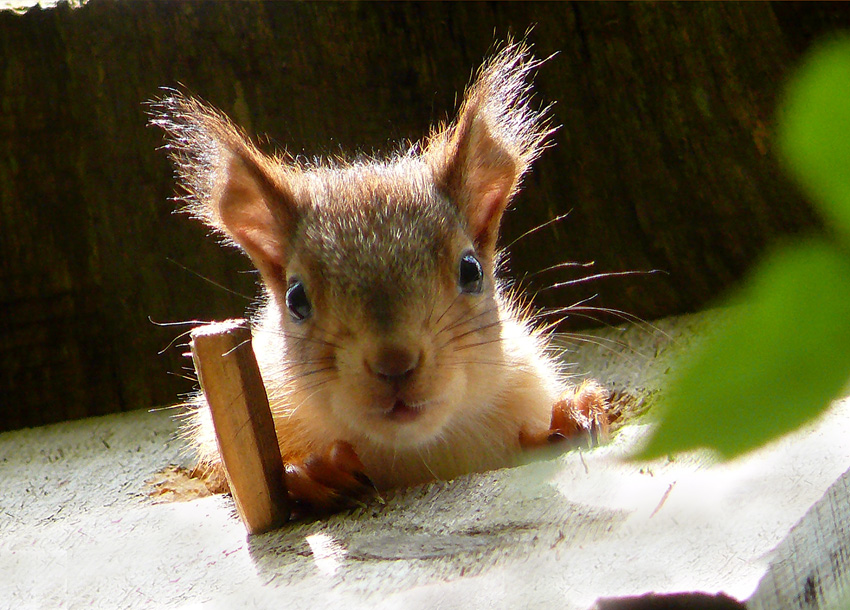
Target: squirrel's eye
x,y
297,301
470,276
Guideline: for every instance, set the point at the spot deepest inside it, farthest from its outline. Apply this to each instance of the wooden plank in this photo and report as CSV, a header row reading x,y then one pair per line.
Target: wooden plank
x,y
229,375
811,568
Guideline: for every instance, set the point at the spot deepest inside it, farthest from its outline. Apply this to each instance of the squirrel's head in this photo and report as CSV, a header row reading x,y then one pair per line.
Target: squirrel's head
x,y
380,273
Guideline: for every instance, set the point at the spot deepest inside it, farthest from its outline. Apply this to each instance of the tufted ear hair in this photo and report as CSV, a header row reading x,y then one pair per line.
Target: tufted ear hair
x,y
480,159
229,184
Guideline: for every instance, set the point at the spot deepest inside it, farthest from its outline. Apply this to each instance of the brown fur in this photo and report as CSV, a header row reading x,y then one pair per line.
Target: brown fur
x,y
377,245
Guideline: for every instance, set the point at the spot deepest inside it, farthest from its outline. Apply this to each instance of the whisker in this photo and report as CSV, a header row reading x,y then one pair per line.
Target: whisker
x,y
583,312
549,329
469,332
631,318
551,326
479,344
322,360
182,323
315,371
208,280
448,308
564,265
538,228
431,312
302,403
333,335
181,376
279,332
559,310
458,320
173,341
614,348
425,463
296,337
168,408
513,366
466,320
316,384
596,276
606,342
236,347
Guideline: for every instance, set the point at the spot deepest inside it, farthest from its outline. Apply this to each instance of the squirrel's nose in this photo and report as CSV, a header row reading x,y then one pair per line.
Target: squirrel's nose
x,y
393,364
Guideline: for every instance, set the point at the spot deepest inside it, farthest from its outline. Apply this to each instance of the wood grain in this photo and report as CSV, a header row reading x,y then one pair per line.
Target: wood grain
x,y
229,375
811,568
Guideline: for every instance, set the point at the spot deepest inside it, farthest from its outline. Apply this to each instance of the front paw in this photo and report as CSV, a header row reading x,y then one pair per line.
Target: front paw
x,y
579,417
328,482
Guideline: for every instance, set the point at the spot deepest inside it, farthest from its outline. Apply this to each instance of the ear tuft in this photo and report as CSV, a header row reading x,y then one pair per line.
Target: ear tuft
x,y
479,161
229,184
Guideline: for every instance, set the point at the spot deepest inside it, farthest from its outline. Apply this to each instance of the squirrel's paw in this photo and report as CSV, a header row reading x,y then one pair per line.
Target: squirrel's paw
x,y
580,418
328,482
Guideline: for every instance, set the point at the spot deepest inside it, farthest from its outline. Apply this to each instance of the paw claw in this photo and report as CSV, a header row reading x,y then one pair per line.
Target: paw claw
x,y
556,437
328,482
579,418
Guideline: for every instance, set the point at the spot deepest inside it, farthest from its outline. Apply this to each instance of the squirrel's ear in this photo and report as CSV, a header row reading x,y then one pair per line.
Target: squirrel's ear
x,y
480,175
479,161
230,185
255,210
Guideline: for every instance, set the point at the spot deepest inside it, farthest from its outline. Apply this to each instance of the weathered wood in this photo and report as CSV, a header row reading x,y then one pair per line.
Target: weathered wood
x,y
810,570
229,375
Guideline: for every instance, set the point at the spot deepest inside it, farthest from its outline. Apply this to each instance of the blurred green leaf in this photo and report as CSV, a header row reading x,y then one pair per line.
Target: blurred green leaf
x,y
814,130
783,355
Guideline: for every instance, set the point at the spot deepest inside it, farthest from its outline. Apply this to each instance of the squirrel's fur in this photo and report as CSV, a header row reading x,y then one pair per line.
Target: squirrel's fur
x,y
376,247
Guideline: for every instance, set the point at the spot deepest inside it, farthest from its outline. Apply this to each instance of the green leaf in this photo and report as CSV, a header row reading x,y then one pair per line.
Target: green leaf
x,y
781,357
814,130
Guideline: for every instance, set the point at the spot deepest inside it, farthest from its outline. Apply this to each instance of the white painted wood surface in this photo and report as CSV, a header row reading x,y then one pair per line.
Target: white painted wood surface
x,y
77,528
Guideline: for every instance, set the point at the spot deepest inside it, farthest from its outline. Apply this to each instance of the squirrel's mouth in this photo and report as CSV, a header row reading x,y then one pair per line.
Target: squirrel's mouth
x,y
402,412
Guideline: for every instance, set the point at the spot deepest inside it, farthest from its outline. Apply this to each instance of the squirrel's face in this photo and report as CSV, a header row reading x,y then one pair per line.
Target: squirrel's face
x,y
388,309
382,271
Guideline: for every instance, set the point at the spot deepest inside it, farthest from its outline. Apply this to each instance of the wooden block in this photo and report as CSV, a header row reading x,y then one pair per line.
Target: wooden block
x,y
230,378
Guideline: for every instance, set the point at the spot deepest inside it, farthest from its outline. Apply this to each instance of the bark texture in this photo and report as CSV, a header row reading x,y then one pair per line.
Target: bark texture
x,y
665,156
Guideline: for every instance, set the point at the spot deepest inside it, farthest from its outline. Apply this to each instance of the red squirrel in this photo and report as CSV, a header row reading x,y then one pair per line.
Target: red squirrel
x,y
391,352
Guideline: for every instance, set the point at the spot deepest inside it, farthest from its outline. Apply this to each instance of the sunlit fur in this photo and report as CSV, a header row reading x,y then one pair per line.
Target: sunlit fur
x,y
377,244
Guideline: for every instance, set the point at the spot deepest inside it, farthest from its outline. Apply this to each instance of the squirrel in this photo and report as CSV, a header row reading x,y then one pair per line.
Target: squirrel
x,y
391,352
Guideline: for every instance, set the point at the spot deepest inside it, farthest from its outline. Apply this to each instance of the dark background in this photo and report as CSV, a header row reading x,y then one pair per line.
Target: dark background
x,y
665,155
